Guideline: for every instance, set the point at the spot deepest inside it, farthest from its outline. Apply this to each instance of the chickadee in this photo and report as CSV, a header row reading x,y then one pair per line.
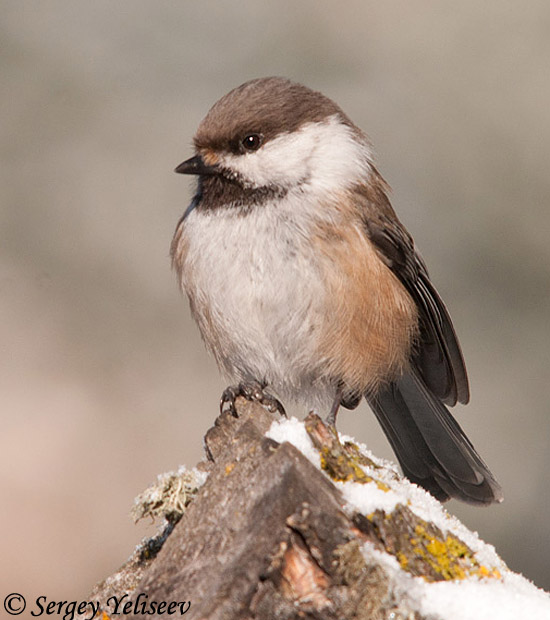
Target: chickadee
x,y
302,279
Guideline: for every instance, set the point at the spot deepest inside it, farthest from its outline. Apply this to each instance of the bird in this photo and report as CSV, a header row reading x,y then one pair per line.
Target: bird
x,y
304,283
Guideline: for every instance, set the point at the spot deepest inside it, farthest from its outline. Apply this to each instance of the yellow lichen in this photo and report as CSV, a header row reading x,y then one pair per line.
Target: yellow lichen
x,y
423,550
229,468
344,468
489,573
449,558
354,452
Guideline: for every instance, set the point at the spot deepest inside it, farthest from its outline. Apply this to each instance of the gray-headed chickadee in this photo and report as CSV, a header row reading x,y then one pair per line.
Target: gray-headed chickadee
x,y
302,279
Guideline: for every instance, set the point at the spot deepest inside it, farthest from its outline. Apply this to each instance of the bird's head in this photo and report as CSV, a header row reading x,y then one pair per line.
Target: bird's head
x,y
271,136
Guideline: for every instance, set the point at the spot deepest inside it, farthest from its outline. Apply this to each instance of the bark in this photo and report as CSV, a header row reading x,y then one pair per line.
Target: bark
x,y
268,536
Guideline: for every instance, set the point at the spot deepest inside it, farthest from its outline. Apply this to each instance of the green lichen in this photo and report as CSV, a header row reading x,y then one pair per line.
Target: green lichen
x,y
168,497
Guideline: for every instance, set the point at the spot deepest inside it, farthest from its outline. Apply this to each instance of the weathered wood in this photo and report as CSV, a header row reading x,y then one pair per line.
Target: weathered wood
x,y
267,536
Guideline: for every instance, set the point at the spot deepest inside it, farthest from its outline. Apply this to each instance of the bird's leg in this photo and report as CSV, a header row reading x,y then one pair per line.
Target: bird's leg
x,y
330,420
252,391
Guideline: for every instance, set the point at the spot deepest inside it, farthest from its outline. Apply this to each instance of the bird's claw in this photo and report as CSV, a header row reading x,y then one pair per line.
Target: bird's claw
x,y
253,391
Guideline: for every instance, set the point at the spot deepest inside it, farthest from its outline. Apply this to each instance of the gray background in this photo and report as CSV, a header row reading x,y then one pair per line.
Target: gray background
x,y
103,379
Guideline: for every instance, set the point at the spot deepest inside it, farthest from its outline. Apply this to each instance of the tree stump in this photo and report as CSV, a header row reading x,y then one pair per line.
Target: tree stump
x,y
270,535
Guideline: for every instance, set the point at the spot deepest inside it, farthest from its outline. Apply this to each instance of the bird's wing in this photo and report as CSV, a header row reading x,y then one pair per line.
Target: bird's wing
x,y
437,354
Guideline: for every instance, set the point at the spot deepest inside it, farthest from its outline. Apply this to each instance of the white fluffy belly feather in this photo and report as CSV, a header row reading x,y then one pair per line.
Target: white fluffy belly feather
x,y
257,298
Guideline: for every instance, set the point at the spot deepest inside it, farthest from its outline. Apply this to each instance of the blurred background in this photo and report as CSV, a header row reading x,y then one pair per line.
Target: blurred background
x,y
104,382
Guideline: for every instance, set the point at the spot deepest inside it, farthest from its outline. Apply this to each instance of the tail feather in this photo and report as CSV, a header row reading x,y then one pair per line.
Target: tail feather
x,y
432,449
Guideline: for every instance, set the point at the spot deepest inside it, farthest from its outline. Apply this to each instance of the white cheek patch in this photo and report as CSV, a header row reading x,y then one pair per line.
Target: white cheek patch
x,y
327,155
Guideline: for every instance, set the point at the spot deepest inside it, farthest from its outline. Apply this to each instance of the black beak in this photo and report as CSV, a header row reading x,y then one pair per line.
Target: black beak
x,y
196,165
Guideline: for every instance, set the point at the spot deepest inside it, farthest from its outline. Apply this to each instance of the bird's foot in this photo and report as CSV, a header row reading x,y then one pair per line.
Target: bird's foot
x,y
346,399
330,420
253,391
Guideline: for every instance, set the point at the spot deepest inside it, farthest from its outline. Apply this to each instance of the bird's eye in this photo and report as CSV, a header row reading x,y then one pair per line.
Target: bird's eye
x,y
252,141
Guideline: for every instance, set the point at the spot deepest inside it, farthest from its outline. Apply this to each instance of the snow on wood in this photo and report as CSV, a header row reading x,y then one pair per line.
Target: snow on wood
x,y
286,519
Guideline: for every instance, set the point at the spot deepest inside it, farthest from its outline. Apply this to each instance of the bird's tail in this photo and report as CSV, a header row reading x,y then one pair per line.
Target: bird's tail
x,y
432,449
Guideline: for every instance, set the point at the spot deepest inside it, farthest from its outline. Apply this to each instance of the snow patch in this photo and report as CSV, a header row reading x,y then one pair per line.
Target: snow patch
x,y
512,597
293,431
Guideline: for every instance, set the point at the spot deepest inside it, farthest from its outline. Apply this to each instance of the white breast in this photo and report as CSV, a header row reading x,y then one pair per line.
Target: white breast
x,y
257,296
